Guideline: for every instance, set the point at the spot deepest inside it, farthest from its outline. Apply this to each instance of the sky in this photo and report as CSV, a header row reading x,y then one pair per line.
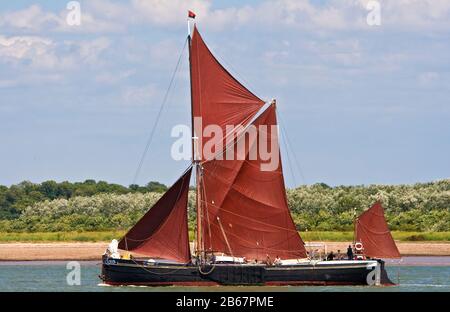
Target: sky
x,y
357,103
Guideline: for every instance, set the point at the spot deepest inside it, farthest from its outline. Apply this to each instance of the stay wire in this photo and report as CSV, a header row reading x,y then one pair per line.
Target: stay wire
x,y
158,116
291,167
289,145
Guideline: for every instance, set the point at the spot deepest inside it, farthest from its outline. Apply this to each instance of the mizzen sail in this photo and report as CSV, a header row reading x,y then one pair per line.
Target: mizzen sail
x,y
371,229
163,231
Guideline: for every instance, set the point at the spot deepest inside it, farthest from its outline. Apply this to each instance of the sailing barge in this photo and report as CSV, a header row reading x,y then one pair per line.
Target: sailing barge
x,y
245,234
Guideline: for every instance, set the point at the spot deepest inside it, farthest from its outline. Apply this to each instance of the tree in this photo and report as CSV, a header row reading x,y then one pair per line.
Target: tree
x,y
154,186
49,189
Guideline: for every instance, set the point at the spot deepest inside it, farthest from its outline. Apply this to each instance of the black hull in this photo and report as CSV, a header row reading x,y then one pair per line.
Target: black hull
x,y
129,272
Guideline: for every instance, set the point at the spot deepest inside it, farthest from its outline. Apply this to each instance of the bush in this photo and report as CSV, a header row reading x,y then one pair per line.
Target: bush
x,y
415,238
319,207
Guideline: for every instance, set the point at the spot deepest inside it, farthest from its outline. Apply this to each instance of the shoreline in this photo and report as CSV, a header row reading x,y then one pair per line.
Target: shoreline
x,y
54,251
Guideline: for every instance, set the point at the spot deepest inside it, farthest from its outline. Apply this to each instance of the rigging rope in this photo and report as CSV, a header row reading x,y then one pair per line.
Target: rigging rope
x,y
289,145
166,96
291,168
200,270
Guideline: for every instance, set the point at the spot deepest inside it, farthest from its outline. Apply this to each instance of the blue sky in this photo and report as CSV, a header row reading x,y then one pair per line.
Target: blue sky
x,y
361,104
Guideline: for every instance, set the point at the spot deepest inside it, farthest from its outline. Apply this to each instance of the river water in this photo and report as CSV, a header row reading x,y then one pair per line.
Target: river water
x,y
412,273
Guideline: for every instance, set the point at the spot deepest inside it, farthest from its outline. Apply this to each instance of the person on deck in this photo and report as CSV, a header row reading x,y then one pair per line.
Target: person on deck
x,y
350,252
330,256
277,261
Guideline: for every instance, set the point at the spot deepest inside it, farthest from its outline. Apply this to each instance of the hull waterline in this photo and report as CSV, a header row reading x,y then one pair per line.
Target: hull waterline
x,y
130,272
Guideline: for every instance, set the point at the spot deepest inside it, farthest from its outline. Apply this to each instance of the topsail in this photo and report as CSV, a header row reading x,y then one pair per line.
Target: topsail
x,y
217,97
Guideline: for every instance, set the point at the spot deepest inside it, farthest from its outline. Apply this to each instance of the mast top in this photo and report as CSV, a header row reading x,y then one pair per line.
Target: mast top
x,y
191,17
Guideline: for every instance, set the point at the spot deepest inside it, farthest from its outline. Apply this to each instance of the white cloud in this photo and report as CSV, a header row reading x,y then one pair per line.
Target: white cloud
x,y
139,95
333,15
91,24
302,14
109,10
90,50
328,53
172,12
113,78
340,51
407,15
102,16
38,51
34,20
45,54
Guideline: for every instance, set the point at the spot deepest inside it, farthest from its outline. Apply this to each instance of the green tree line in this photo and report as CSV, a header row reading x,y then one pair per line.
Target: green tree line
x,y
97,206
16,198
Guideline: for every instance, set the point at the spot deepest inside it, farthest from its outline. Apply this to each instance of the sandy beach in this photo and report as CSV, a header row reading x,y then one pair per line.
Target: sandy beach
x,y
405,248
93,251
51,251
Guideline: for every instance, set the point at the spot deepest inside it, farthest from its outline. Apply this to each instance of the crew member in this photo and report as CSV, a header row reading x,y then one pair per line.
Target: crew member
x,y
277,261
350,252
330,256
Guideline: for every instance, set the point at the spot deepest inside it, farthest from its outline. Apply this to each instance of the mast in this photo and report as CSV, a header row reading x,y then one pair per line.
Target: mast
x,y
354,225
199,240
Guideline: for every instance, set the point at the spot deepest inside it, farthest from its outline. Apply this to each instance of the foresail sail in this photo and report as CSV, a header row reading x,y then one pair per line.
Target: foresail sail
x,y
371,229
243,208
163,231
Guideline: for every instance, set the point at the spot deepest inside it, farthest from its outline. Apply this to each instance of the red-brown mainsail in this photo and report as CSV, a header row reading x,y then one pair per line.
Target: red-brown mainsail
x,y
163,231
371,229
243,209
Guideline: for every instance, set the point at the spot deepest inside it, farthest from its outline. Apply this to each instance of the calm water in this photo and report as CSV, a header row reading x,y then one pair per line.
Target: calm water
x,y
414,274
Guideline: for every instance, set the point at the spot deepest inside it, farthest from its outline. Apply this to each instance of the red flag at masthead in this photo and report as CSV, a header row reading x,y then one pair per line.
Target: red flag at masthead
x,y
191,14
